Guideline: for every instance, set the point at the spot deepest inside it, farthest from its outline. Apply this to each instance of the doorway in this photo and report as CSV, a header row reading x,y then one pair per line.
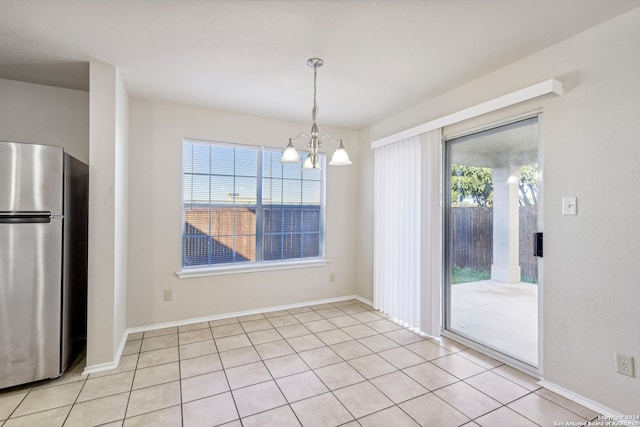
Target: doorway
x,y
492,196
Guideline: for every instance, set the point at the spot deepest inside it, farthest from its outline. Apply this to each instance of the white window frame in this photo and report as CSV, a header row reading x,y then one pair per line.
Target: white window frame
x,y
259,264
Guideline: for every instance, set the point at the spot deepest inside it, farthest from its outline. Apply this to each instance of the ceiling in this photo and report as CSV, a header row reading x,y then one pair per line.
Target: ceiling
x,y
249,56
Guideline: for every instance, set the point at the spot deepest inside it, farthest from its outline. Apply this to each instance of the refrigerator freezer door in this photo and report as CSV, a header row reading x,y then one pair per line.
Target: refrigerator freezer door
x,y
30,295
30,178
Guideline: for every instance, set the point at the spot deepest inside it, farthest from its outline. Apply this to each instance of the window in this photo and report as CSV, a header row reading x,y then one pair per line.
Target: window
x,y
242,206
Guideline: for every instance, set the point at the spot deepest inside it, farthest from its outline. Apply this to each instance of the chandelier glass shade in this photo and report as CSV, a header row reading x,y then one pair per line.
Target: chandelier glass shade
x,y
313,140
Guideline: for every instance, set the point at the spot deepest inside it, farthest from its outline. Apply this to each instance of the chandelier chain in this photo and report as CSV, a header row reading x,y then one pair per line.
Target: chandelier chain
x,y
314,111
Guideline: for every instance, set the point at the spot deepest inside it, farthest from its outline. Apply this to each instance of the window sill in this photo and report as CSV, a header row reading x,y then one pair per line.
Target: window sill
x,y
216,271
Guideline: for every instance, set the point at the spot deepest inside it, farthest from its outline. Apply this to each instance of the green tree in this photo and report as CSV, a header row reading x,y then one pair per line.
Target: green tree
x,y
472,182
528,185
475,183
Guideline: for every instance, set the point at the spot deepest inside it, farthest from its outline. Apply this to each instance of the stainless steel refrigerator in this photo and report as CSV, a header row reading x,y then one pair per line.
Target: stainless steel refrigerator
x,y
43,261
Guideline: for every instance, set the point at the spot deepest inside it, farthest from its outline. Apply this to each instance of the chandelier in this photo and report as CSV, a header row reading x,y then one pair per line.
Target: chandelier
x,y
313,140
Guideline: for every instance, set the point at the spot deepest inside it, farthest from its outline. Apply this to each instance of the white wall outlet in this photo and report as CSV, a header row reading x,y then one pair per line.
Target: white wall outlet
x,y
332,277
624,365
168,295
569,205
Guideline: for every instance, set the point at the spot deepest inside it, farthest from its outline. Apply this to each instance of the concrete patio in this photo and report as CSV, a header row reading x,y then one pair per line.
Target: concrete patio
x,y
500,315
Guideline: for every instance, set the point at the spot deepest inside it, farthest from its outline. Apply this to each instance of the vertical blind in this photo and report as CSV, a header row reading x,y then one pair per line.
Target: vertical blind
x,y
406,191
397,230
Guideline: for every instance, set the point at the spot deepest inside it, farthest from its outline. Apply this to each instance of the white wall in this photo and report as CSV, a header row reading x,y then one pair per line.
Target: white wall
x,y
364,257
45,115
121,218
108,169
591,150
155,219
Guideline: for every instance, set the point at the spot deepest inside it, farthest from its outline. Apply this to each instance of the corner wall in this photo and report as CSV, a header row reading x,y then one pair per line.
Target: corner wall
x,y
590,145
121,238
155,219
108,205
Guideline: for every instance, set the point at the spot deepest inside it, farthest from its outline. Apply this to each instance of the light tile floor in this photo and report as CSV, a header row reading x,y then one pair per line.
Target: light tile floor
x,y
324,365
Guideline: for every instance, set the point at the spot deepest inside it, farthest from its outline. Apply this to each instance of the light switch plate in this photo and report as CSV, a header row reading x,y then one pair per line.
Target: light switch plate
x,y
569,206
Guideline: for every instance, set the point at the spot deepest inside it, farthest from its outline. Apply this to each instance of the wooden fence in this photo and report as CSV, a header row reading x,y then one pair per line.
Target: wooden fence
x,y
472,239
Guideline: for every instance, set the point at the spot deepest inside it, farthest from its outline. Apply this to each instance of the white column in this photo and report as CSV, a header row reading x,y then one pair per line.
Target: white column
x,y
108,221
506,245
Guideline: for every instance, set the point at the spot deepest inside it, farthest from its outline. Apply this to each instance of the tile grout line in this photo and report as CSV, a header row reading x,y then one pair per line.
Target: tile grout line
x,y
368,380
463,380
332,391
341,358
392,401
365,380
288,404
298,354
18,405
224,369
180,377
396,369
136,369
562,406
133,380
135,374
75,401
44,387
329,388
504,406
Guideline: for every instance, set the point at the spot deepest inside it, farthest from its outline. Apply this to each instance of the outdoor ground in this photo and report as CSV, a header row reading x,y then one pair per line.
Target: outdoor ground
x,y
502,315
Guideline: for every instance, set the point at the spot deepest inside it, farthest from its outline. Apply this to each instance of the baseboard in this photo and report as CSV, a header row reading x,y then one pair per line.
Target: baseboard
x,y
588,403
363,300
92,369
235,314
113,365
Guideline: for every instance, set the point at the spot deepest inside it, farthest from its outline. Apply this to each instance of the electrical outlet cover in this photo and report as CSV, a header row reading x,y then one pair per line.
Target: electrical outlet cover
x,y
624,365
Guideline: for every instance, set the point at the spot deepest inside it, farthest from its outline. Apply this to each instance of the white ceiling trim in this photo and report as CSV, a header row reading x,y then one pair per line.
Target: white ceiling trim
x,y
540,89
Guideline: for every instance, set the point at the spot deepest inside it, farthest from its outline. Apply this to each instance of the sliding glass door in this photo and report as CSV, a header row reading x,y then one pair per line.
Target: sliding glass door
x,y
492,194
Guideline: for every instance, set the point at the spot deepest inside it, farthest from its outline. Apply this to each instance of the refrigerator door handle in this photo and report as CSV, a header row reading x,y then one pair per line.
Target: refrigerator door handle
x,y
25,217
